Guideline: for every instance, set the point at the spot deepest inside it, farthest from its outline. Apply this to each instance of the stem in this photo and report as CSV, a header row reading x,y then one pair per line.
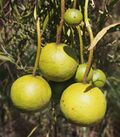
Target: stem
x,y
55,126
95,64
85,131
74,4
54,121
72,36
88,27
59,28
81,44
33,130
38,48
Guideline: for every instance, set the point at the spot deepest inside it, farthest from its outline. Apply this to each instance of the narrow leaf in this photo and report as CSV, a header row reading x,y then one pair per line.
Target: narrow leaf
x,y
100,34
33,130
16,10
5,58
47,18
35,13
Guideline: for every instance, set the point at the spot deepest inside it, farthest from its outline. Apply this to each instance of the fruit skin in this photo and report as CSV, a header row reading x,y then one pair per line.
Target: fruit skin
x,y
73,16
81,71
58,62
83,107
99,78
30,93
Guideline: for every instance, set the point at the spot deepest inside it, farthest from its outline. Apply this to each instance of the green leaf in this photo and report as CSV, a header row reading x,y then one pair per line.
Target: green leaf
x,y
100,34
1,3
35,13
45,23
16,10
33,130
5,58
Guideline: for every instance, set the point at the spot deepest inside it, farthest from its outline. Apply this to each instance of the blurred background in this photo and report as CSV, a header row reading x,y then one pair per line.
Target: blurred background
x,y
18,44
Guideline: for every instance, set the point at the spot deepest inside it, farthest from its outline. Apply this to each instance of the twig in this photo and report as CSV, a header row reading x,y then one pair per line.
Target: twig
x,y
38,48
59,28
88,27
74,4
85,131
33,130
81,44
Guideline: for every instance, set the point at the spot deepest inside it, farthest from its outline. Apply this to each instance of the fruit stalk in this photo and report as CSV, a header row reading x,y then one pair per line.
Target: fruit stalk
x,y
85,131
81,44
59,28
88,27
54,121
38,48
74,4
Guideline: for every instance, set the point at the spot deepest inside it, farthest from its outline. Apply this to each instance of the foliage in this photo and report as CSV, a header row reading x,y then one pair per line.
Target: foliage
x,y
18,43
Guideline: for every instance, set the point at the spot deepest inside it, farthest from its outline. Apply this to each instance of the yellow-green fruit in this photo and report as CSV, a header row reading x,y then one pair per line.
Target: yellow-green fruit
x,y
30,93
99,78
58,62
81,71
82,104
73,16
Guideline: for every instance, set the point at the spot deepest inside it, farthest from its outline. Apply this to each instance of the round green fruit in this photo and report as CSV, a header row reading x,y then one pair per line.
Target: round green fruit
x,y
58,62
73,16
83,104
30,93
81,71
99,78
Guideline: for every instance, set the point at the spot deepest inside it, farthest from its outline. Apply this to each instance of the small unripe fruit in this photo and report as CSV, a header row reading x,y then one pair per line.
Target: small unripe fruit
x,y
81,71
73,17
99,78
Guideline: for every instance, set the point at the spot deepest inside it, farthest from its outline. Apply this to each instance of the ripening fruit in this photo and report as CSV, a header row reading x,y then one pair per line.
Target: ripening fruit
x,y
81,71
73,17
30,93
83,104
58,62
99,78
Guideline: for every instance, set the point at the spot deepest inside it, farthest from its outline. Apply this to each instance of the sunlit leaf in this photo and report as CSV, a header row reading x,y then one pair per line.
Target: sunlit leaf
x,y
16,10
45,23
33,130
5,58
101,34
35,13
